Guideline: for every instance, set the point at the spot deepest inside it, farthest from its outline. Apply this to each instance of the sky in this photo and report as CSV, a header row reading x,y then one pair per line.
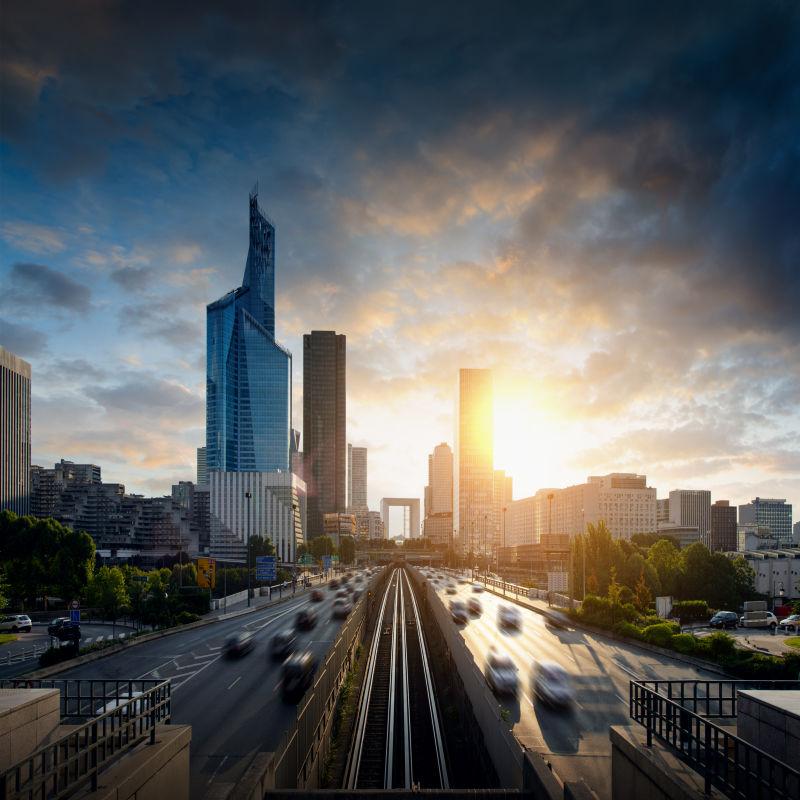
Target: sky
x,y
600,202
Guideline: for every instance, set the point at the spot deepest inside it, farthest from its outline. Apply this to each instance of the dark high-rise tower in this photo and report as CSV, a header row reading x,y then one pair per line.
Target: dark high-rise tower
x,y
15,433
324,426
249,375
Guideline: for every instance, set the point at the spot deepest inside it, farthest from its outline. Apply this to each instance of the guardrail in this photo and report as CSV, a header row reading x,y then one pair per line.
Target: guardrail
x,y
735,767
23,655
120,718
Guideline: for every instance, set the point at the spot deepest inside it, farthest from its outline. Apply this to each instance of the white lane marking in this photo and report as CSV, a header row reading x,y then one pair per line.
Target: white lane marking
x,y
214,773
278,616
625,669
234,683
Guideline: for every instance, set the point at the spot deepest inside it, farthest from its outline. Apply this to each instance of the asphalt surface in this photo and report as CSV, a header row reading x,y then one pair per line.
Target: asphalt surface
x,y
234,706
574,740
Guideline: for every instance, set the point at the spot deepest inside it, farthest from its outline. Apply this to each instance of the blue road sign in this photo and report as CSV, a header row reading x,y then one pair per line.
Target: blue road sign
x,y
326,563
266,568
75,615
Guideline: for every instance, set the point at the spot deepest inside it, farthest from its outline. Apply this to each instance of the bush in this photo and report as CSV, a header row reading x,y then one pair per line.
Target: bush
x,y
55,655
718,646
628,629
185,617
691,610
659,635
684,643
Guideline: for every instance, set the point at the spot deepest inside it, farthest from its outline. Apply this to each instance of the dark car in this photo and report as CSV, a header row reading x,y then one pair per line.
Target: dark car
x,y
239,644
298,675
342,607
283,643
724,619
317,596
334,584
306,619
64,629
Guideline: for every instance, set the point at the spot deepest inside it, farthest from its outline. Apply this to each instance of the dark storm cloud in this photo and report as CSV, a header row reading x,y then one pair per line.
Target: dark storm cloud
x,y
133,278
158,319
34,285
22,340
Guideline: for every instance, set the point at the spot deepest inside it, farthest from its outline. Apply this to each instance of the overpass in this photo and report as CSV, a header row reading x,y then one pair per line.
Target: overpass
x,y
386,555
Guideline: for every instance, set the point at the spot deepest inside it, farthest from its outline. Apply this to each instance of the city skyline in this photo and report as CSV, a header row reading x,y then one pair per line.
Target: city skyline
x,y
617,291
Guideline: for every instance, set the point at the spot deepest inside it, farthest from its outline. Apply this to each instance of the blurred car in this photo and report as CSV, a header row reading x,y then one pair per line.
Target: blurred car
x,y
356,594
64,629
474,606
724,619
342,594
509,617
16,622
283,643
344,579
557,619
342,607
297,675
463,581
550,683
306,619
239,644
792,622
334,584
501,673
317,596
458,611
450,589
477,587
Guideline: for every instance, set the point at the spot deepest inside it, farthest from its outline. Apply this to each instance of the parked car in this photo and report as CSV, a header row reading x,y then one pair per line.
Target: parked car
x,y
501,673
283,643
551,684
477,587
15,622
792,622
317,596
724,619
342,607
758,619
509,617
297,675
306,619
64,629
239,644
474,606
458,611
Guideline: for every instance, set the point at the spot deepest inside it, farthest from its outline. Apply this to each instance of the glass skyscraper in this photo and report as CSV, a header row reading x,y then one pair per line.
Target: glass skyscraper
x,y
249,375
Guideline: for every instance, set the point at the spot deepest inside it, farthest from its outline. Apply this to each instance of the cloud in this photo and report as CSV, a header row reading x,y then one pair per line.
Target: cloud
x,y
145,395
22,340
133,278
38,239
35,284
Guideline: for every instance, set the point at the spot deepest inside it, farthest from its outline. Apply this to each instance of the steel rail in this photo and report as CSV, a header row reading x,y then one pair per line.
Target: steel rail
x,y
354,759
431,694
389,770
407,765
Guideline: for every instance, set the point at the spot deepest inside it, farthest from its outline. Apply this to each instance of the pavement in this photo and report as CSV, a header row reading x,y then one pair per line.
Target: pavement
x,y
576,740
234,706
40,639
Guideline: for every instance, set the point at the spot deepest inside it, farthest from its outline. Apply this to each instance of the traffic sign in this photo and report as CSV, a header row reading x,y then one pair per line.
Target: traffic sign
x,y
326,563
266,568
206,573
306,560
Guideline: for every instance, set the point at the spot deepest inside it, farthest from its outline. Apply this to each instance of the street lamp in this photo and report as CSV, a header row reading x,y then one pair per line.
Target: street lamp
x,y
247,496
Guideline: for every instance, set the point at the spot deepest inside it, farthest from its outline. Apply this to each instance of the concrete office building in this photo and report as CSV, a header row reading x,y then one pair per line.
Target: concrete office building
x,y
796,536
775,514
438,523
723,526
502,496
339,524
275,508
369,525
202,467
622,500
357,479
662,510
473,469
47,485
324,426
750,536
777,572
15,432
684,535
691,508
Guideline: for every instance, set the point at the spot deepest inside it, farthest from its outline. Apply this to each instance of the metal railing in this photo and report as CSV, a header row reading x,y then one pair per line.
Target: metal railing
x,y
119,714
735,767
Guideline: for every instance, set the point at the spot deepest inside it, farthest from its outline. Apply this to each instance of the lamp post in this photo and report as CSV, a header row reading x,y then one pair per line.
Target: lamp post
x,y
247,496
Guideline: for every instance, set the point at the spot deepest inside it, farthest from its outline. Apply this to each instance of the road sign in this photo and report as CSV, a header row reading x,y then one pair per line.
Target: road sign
x,y
326,563
557,581
206,573
306,560
266,568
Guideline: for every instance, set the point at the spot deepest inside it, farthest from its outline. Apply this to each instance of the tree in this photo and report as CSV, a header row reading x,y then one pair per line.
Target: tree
x,y
260,546
642,596
107,592
322,546
302,549
347,549
665,558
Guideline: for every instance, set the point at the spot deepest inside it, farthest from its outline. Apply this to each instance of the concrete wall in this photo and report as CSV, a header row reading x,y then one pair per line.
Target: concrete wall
x,y
770,720
27,718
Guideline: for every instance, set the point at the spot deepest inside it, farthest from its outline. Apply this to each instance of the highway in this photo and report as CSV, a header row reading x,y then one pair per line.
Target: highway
x,y
234,706
575,741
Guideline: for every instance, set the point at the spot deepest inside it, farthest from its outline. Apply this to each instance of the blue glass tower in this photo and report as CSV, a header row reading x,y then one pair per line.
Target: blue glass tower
x,y
248,374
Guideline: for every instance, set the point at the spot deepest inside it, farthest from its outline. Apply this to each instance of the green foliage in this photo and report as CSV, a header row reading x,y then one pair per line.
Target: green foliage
x,y
260,546
347,549
691,610
718,645
43,557
684,643
322,546
107,592
185,617
796,607
628,629
643,596
660,635
55,655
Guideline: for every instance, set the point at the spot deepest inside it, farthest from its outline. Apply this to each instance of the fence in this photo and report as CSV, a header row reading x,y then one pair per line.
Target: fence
x,y
726,762
122,714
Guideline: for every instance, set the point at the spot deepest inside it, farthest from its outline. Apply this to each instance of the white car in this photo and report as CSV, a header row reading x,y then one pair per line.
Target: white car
x,y
792,622
550,683
509,617
477,587
16,622
501,673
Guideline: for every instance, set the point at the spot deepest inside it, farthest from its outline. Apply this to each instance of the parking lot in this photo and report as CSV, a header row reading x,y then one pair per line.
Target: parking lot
x,y
760,639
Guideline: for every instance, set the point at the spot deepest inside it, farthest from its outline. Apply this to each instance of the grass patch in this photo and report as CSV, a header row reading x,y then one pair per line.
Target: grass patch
x,y
793,641
7,638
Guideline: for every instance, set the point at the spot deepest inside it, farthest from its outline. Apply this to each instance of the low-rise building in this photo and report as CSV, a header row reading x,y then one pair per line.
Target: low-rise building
x,y
438,528
777,572
337,525
684,535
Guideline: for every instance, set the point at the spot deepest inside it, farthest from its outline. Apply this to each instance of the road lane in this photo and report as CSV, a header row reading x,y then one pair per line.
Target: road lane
x,y
575,741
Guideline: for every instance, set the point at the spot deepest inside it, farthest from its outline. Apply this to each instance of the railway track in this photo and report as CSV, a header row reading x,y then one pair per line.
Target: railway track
x,y
397,742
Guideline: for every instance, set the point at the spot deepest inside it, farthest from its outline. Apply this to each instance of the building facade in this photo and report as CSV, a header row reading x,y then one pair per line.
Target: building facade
x,y
502,497
775,514
473,468
324,426
777,572
249,375
15,433
662,510
244,504
438,522
723,526
337,525
691,508
369,525
357,479
202,467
